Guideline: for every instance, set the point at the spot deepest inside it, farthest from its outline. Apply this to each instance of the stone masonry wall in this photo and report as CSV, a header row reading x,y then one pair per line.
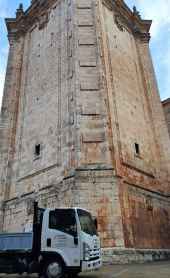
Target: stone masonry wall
x,y
44,84
95,190
92,135
62,109
136,118
9,113
146,218
136,109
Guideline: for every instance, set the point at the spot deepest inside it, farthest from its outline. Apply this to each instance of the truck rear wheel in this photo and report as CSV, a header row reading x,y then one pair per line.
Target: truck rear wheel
x,y
54,269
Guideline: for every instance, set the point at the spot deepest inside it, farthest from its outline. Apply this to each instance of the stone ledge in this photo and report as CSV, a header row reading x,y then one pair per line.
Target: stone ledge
x,y
128,255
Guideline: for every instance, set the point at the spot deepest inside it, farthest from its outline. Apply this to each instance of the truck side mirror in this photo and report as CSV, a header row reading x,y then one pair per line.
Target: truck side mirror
x,y
95,223
76,241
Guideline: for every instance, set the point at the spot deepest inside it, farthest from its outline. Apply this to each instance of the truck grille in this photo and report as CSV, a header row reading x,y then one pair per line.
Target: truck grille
x,y
94,254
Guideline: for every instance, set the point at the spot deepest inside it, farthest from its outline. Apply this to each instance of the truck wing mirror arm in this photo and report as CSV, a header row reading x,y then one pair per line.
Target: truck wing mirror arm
x,y
95,223
76,240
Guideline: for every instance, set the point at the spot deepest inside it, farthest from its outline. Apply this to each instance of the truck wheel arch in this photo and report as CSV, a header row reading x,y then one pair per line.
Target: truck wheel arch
x,y
46,256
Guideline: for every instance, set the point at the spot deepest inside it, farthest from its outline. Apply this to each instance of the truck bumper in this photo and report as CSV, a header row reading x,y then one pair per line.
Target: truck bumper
x,y
91,265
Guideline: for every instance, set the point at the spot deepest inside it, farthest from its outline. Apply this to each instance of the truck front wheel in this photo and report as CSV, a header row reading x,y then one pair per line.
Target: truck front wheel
x,y
54,269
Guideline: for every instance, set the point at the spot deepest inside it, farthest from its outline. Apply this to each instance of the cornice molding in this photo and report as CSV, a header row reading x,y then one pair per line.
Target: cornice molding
x,y
166,101
131,20
38,12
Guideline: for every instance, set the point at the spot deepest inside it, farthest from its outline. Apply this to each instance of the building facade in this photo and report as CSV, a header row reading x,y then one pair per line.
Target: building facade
x,y
82,124
166,108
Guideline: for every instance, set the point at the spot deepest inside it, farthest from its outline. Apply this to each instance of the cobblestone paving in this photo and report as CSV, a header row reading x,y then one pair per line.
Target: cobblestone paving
x,y
154,270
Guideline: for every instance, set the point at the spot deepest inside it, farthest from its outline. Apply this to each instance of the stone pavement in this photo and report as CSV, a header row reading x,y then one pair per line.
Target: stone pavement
x,y
151,270
154,270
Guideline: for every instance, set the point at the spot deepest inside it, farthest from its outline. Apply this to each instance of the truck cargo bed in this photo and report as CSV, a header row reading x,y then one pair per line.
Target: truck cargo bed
x,y
16,242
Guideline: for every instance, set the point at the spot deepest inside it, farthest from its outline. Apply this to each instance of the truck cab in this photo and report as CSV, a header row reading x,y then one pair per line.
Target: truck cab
x,y
62,241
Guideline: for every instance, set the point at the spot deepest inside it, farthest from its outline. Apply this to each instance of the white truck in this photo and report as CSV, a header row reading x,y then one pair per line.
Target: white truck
x,y
63,241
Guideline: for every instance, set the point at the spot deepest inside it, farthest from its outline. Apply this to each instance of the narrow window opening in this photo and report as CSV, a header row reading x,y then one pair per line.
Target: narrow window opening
x,y
37,150
137,149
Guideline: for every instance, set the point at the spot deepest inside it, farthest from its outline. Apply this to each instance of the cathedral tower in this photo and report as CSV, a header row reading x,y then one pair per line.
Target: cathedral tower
x,y
82,123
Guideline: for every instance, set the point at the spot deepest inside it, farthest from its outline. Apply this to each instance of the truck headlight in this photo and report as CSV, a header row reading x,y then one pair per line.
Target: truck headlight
x,y
86,251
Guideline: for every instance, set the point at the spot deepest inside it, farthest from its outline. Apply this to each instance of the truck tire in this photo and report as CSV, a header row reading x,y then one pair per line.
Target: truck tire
x,y
54,269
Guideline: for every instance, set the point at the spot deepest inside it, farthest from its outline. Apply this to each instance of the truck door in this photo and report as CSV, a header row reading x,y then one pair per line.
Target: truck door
x,y
62,235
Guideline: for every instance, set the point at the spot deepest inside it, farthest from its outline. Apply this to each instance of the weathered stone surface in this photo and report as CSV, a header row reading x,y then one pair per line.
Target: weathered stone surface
x,y
129,256
82,122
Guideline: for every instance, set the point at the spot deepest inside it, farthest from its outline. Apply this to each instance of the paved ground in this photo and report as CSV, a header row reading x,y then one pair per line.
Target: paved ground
x,y
154,270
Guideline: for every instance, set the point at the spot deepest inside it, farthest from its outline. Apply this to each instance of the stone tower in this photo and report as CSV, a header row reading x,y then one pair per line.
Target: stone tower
x,y
82,123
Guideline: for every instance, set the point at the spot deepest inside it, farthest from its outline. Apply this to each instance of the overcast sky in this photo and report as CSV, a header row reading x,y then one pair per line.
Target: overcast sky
x,y
158,10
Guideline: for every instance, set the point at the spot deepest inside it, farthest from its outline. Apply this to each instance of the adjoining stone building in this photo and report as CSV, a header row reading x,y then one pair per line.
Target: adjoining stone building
x,y
166,108
82,123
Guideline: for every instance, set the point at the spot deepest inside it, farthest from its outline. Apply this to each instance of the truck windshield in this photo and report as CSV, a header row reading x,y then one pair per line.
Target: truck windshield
x,y
86,222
